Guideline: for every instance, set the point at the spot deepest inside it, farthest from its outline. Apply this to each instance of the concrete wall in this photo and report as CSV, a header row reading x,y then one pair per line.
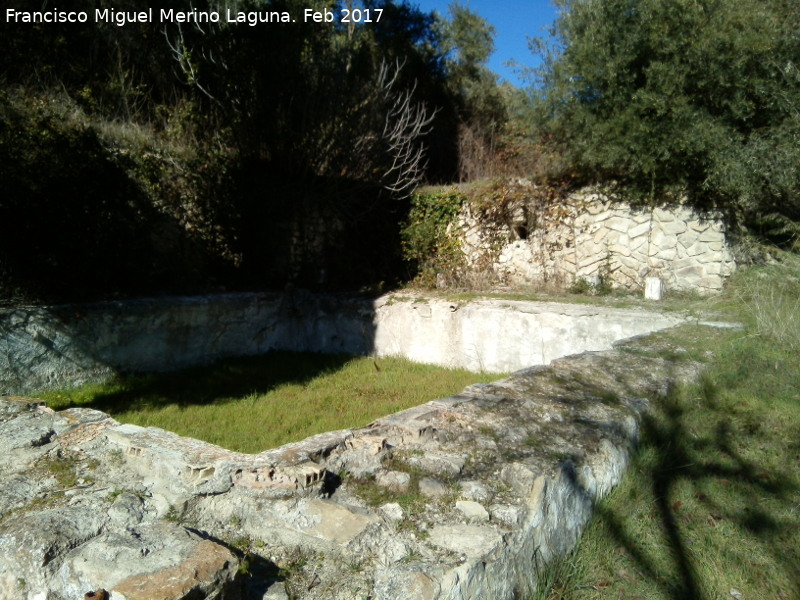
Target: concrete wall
x,y
589,237
504,335
46,347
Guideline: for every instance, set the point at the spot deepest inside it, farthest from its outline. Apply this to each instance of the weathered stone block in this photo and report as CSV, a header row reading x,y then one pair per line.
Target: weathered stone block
x,y
393,511
640,230
711,283
711,235
620,250
689,274
433,488
598,236
674,228
509,515
596,207
627,276
438,463
683,261
639,243
160,560
688,237
335,522
622,239
663,216
393,480
619,224
409,583
475,490
472,510
602,213
657,239
521,478
473,541
667,254
713,268
696,249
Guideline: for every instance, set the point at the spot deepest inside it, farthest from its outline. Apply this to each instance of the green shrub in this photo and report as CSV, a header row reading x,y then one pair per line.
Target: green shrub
x,y
429,243
680,98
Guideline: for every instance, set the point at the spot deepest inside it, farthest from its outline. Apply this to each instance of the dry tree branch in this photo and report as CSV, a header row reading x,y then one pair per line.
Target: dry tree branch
x,y
405,122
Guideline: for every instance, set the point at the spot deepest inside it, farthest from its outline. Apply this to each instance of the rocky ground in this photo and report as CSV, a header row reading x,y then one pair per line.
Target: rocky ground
x,y
460,498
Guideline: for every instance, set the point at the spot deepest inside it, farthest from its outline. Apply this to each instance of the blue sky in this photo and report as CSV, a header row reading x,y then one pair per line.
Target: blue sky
x,y
514,21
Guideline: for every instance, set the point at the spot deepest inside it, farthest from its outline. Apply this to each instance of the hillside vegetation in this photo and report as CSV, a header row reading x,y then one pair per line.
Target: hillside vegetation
x,y
175,157
151,158
680,97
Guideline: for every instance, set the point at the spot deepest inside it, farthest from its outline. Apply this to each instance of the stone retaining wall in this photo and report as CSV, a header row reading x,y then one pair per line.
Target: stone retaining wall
x,y
462,498
588,237
48,347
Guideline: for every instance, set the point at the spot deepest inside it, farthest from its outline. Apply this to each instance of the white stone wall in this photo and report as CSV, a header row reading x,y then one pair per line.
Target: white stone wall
x,y
50,347
591,237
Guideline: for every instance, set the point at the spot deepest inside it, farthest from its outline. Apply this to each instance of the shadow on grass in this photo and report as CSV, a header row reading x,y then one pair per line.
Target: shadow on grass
x,y
697,476
223,381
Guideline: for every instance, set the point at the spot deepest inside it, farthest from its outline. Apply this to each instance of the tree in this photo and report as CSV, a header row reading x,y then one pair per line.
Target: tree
x,y
330,102
697,97
468,41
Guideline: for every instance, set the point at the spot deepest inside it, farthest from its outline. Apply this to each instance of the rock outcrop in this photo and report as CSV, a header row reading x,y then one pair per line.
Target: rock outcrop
x,y
460,498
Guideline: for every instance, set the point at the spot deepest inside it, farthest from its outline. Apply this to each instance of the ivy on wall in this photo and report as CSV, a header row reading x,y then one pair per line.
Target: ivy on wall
x,y
429,243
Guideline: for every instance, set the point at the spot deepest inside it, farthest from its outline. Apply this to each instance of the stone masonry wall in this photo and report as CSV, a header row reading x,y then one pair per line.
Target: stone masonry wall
x,y
461,498
55,346
589,237
503,476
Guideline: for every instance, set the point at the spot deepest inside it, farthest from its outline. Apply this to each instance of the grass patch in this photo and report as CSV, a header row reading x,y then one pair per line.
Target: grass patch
x,y
410,499
64,470
256,403
711,506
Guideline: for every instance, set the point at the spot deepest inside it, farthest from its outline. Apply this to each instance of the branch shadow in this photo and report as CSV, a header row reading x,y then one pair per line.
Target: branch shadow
x,y
705,460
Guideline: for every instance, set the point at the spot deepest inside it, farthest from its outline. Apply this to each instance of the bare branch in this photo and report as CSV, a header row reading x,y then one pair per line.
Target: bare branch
x,y
405,123
182,54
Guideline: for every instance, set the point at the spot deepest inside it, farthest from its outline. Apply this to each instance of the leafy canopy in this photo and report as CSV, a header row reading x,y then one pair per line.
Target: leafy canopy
x,y
691,96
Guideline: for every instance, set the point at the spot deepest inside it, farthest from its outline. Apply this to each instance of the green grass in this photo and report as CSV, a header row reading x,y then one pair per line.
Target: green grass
x,y
711,505
253,404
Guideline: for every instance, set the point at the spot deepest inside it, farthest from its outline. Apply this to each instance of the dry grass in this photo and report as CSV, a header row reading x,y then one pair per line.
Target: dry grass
x,y
772,298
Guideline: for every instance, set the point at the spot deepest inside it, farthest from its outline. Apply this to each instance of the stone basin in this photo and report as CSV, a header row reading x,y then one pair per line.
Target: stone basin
x,y
461,498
